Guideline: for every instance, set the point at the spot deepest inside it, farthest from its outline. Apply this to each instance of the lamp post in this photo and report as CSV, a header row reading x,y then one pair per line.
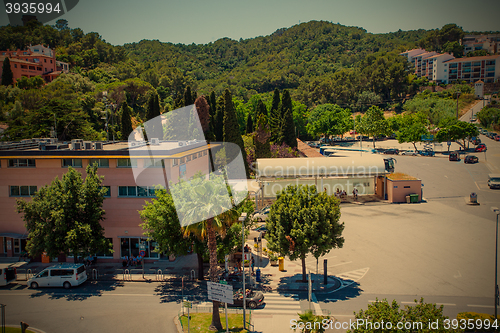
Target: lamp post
x,y
497,212
242,219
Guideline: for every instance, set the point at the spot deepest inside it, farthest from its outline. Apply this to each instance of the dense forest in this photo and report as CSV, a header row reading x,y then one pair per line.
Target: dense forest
x,y
310,64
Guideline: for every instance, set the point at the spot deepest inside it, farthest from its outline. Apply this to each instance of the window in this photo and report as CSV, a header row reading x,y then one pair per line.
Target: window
x,y
200,154
101,162
61,272
15,65
188,158
183,160
44,60
153,163
22,163
22,191
175,162
195,156
126,163
72,162
133,246
137,191
108,191
204,153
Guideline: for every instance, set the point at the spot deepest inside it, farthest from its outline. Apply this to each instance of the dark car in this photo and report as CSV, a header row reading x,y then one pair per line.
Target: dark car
x,y
471,159
253,299
391,152
481,147
475,140
454,157
426,153
262,231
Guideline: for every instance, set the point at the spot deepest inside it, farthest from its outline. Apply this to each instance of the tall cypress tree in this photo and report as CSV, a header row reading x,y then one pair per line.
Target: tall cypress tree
x,y
7,75
156,130
275,119
219,120
261,138
213,112
261,109
288,128
231,129
249,128
188,96
126,123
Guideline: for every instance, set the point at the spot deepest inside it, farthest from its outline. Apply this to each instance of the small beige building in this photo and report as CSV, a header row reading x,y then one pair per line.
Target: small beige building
x,y
400,185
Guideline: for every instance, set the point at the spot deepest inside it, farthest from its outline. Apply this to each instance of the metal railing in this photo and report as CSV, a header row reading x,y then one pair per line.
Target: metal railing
x,y
126,275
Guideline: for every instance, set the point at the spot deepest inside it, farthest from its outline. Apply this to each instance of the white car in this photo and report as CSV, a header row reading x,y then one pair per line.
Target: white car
x,y
62,275
410,152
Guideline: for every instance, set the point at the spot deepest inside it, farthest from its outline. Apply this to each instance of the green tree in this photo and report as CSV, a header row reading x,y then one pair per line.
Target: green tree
x,y
374,123
458,131
311,323
303,221
249,127
262,138
156,130
275,120
219,120
65,216
328,120
411,128
231,129
126,121
7,75
286,111
412,318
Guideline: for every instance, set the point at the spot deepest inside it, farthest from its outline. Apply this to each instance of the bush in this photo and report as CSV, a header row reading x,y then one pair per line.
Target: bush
x,y
483,317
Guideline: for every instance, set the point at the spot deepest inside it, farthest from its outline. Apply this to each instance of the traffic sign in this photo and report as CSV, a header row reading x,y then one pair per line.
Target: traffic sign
x,y
142,253
220,292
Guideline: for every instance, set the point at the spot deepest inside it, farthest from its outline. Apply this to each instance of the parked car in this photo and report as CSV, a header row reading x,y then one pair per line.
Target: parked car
x,y
391,152
471,159
494,180
426,153
454,157
409,152
62,275
8,274
253,299
475,140
481,147
261,215
497,137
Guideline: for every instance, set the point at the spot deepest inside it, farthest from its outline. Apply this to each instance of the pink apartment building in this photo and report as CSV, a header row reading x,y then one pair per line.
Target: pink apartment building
x,y
30,165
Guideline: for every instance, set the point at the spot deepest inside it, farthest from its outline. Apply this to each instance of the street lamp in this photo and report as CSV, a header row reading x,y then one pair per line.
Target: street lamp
x,y
497,212
242,219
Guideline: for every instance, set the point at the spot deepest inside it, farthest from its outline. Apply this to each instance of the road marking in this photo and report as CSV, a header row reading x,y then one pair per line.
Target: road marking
x,y
446,304
331,300
15,287
480,306
342,263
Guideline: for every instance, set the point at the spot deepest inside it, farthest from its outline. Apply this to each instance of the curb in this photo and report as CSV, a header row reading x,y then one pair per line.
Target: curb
x,y
36,330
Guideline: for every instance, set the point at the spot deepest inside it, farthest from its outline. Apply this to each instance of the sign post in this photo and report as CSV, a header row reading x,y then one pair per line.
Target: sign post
x,y
188,305
221,293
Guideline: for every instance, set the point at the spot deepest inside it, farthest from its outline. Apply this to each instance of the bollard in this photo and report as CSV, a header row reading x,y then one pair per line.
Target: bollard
x,y
325,273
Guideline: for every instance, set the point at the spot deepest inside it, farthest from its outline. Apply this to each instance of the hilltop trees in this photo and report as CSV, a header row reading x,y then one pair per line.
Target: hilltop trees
x,y
328,120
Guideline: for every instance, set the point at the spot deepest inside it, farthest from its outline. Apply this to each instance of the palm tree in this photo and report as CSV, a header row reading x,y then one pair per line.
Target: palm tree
x,y
205,207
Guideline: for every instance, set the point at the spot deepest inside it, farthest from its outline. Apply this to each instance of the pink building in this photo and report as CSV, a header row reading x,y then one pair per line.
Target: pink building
x,y
30,165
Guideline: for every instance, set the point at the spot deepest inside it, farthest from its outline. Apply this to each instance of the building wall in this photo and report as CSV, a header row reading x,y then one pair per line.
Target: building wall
x,y
397,190
121,219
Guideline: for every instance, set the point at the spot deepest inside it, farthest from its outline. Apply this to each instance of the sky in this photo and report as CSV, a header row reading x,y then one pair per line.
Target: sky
x,y
202,21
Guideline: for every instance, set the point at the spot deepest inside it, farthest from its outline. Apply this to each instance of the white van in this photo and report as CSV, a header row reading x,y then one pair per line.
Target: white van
x,y
62,275
8,274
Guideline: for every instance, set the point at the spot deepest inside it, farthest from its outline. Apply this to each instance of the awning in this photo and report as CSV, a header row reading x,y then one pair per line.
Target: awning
x,y
13,235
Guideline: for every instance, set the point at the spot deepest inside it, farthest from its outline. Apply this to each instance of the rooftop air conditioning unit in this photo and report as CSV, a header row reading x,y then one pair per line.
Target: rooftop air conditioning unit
x,y
181,143
155,141
88,145
98,145
76,146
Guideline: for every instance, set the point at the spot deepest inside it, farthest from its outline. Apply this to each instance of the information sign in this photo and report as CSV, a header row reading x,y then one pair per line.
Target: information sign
x,y
220,292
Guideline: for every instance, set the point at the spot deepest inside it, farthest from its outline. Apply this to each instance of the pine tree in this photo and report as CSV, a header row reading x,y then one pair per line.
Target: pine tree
x,y
126,123
288,129
249,128
231,129
7,75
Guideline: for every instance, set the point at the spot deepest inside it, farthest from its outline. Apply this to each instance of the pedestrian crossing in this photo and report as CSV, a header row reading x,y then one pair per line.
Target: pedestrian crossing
x,y
280,304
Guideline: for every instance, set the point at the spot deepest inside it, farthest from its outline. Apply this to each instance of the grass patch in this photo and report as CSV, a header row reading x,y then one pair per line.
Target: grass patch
x,y
201,321
400,176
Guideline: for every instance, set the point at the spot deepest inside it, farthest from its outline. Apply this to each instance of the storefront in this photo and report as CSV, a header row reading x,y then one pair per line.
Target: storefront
x,y
132,246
